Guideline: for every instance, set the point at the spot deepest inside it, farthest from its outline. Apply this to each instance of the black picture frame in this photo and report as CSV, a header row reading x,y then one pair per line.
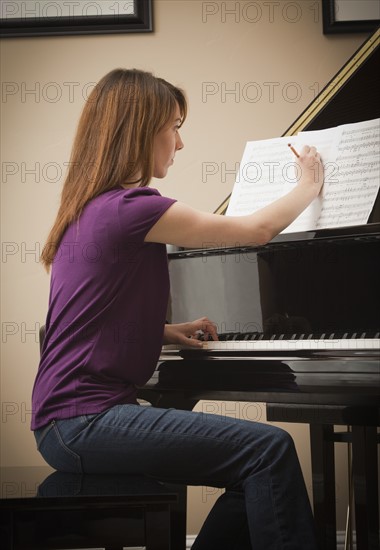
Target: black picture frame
x,y
141,20
331,25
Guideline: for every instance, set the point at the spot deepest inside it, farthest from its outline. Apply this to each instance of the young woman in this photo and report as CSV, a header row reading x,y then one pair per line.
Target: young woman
x,y
106,324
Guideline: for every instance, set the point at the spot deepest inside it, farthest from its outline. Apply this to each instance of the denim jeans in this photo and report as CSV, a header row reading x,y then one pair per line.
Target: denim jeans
x,y
265,506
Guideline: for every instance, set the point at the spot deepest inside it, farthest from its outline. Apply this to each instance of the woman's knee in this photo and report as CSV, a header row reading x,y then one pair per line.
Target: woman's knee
x,y
279,443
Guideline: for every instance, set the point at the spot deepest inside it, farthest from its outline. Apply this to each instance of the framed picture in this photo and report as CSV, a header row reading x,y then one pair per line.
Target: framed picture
x,y
47,18
341,16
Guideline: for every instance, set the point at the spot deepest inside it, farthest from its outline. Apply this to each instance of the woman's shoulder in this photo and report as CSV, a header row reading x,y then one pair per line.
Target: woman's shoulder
x,y
145,199
132,194
119,196
132,210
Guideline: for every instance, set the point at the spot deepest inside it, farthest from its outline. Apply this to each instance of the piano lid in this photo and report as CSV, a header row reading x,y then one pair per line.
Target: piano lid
x,y
352,95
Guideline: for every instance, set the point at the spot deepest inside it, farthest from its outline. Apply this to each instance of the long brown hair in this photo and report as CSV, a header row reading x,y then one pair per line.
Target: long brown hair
x,y
114,142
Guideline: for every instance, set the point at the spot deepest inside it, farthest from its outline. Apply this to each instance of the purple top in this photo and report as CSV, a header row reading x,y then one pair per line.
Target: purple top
x,y
107,307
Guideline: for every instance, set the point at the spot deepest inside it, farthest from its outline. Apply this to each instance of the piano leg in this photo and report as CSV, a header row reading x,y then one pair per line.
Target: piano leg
x,y
365,477
322,459
364,439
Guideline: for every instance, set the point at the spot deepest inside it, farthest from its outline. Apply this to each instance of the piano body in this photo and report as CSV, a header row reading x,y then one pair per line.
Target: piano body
x,y
299,320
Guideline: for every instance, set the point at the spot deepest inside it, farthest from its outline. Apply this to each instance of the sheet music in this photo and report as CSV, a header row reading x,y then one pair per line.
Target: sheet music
x,y
351,157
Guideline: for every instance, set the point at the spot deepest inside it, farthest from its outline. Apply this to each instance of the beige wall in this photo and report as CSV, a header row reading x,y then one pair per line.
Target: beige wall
x,y
248,75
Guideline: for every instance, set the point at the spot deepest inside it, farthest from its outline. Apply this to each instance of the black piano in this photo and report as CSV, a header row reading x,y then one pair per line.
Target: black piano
x,y
299,324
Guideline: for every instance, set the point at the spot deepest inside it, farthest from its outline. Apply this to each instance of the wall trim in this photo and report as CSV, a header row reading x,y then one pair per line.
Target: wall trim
x,y
340,537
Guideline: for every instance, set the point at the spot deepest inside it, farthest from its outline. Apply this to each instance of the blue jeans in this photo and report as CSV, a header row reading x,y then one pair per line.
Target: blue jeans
x,y
265,506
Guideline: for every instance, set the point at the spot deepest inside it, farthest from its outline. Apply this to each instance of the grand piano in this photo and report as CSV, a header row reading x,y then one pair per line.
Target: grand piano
x,y
299,324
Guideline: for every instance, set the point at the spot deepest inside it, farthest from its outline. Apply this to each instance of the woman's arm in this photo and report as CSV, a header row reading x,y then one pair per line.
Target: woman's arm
x,y
181,225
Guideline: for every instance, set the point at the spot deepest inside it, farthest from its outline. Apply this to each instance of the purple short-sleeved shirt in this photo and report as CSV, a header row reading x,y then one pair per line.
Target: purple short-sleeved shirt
x,y
107,307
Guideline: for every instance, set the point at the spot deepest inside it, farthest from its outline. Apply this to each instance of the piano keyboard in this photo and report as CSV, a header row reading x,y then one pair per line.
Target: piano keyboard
x,y
293,345
256,342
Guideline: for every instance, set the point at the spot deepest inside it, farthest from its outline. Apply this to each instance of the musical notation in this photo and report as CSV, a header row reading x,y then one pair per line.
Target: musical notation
x,y
351,159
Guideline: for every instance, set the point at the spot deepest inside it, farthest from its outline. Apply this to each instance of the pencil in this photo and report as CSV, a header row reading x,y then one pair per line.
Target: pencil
x,y
293,150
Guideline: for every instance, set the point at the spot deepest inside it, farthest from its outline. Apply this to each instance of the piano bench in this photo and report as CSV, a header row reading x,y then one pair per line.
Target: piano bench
x,y
362,434
91,511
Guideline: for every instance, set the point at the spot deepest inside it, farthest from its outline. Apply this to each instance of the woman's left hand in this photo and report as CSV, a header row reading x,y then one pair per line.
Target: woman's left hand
x,y
188,334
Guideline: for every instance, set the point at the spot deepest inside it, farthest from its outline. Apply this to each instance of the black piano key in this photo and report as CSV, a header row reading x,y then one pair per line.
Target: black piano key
x,y
320,335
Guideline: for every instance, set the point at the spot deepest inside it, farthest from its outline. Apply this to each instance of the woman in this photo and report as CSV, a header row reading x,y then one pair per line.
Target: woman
x,y
106,323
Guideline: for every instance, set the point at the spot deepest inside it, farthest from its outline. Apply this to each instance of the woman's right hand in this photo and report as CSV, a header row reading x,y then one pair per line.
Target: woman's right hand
x,y
311,169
